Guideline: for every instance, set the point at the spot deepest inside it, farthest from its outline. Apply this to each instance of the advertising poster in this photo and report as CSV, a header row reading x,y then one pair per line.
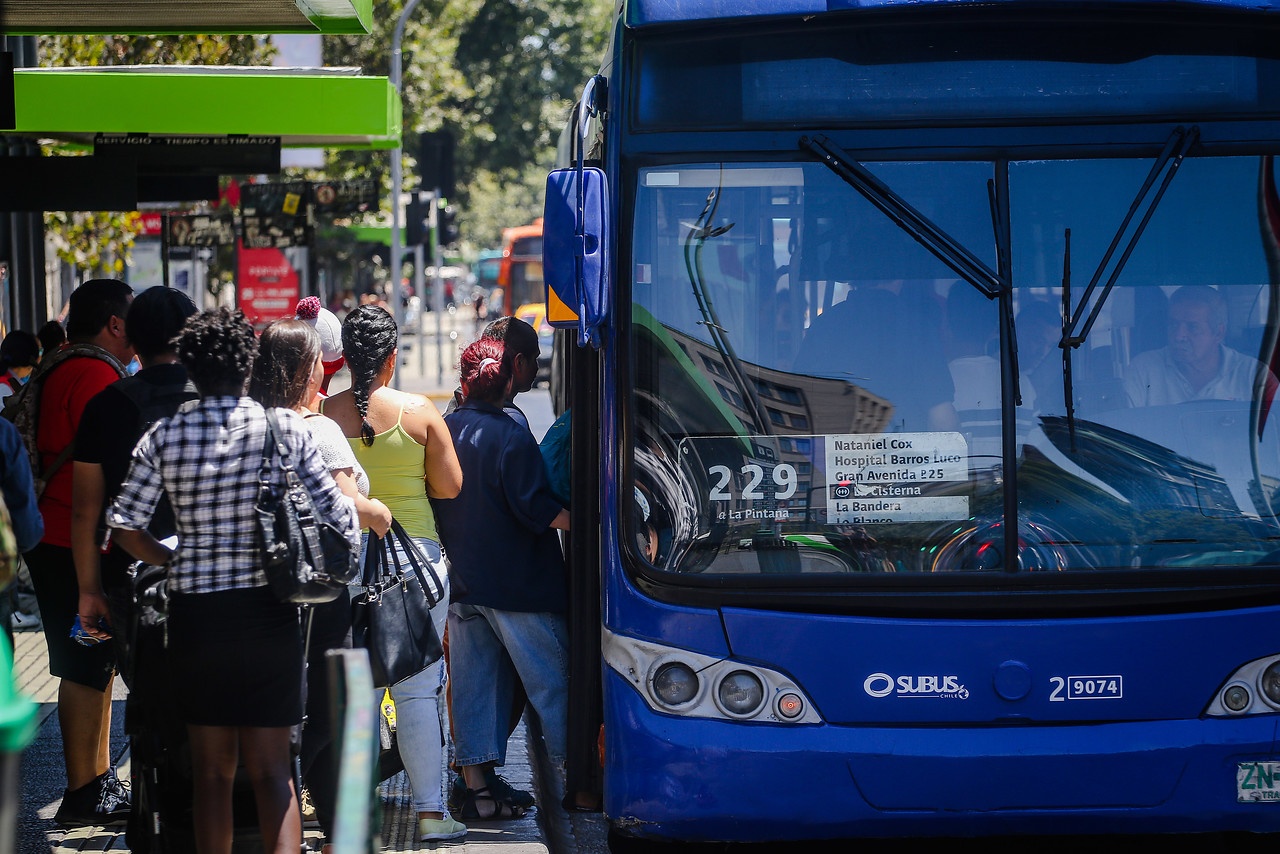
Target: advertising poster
x,y
267,285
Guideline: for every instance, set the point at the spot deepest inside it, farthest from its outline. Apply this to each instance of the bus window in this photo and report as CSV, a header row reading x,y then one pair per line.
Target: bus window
x,y
809,373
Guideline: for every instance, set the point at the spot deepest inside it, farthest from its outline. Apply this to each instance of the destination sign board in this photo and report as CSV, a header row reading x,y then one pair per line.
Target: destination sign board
x,y
840,479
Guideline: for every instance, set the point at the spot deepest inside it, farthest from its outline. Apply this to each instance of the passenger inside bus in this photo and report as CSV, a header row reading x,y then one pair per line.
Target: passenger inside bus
x,y
1195,364
885,337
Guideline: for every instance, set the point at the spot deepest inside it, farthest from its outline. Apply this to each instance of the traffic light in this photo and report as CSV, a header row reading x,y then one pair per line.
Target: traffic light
x,y
416,227
448,226
435,162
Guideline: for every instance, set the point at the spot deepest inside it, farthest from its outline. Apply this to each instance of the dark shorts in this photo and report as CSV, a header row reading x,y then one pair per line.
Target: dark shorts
x,y
53,574
235,659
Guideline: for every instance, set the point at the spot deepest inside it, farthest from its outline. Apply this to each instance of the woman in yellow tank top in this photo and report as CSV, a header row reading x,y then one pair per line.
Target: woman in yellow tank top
x,y
407,452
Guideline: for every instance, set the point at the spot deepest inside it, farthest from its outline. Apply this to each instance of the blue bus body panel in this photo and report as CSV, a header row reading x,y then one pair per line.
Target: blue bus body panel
x,y
716,780
861,670
642,13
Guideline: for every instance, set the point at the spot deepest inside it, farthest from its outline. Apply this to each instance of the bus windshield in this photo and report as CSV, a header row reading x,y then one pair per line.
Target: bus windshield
x,y
815,392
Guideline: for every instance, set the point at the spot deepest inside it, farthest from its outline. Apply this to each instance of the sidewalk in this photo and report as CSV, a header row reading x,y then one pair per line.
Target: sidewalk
x,y
42,780
428,365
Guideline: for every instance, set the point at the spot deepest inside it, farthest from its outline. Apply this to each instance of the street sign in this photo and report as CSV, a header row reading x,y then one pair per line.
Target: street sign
x,y
343,198
201,229
274,232
289,198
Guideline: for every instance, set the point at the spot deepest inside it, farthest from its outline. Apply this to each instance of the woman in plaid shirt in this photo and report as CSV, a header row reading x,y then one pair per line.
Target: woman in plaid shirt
x,y
235,652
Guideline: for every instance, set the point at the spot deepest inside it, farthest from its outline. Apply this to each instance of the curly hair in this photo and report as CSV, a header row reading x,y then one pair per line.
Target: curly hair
x,y
369,336
484,373
287,353
217,347
156,316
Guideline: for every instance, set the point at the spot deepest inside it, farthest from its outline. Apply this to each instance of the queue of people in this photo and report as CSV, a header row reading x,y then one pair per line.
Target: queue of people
x,y
164,467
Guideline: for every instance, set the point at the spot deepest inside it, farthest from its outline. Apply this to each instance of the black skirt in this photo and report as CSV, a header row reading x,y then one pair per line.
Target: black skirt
x,y
235,658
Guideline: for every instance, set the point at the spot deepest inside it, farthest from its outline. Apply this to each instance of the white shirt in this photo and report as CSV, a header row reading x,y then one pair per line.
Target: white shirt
x,y
1154,379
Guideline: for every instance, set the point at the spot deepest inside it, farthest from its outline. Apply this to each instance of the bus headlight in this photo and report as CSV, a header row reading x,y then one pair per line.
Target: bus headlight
x,y
675,683
684,683
740,693
1252,689
1236,698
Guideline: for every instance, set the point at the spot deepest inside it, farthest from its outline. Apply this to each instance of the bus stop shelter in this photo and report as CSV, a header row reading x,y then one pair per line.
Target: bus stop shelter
x,y
112,137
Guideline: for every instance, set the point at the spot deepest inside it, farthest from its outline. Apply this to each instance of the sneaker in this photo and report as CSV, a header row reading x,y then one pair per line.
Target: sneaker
x,y
501,790
25,622
435,829
105,801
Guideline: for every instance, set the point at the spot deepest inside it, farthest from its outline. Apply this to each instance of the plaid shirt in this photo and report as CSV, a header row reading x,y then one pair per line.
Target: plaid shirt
x,y
207,461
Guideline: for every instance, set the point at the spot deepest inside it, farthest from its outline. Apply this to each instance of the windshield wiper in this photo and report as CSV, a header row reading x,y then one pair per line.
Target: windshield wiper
x,y
1175,149
923,230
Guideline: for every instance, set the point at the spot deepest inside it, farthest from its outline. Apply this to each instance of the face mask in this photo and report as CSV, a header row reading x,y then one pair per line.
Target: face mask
x,y
23,380
134,366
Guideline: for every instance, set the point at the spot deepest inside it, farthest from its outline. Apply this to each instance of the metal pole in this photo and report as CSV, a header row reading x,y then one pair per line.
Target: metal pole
x,y
397,178
419,290
437,291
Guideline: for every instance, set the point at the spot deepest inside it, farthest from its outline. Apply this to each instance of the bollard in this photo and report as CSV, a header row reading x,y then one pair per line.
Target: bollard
x,y
356,827
17,726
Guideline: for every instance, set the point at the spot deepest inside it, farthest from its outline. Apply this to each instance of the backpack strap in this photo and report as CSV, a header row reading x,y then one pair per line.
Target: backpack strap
x,y
23,407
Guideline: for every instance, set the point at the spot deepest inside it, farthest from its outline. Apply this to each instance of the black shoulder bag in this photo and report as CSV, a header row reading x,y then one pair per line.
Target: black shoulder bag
x,y
307,561
392,618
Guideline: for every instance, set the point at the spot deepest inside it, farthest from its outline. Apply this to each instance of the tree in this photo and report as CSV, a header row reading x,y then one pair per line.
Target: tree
x,y
501,75
98,242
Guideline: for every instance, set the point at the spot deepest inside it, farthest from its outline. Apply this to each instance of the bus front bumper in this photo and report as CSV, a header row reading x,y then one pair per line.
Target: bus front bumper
x,y
698,779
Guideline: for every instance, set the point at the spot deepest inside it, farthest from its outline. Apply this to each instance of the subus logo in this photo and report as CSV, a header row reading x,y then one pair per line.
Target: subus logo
x,y
948,687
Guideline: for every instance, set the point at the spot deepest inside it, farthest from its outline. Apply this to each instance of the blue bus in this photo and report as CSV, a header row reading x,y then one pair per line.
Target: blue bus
x,y
926,455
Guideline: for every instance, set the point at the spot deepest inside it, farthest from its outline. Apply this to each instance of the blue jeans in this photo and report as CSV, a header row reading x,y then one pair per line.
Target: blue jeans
x,y
488,648
420,733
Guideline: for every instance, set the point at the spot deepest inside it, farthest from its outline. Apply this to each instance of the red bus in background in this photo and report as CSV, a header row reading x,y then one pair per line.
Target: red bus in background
x,y
520,272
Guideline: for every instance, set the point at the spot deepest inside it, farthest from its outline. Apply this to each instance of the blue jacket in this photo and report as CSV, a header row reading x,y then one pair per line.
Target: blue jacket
x,y
18,488
502,551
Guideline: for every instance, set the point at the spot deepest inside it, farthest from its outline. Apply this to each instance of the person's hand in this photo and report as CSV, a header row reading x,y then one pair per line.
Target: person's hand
x,y
380,522
93,613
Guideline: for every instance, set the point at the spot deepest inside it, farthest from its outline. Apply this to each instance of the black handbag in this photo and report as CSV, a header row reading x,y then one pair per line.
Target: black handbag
x,y
392,617
307,560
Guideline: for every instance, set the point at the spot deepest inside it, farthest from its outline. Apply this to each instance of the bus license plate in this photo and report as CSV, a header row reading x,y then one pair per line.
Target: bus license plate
x,y
1257,782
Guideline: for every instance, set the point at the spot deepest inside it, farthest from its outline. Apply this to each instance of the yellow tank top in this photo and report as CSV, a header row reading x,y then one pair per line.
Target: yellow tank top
x,y
394,464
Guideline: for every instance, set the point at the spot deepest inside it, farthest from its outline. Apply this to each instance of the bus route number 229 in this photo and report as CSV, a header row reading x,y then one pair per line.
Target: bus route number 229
x,y
783,476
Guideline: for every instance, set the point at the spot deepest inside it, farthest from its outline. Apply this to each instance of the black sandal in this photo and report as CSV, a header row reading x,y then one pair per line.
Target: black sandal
x,y
498,808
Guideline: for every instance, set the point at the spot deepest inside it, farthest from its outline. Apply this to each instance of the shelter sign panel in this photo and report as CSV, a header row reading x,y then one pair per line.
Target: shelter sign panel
x,y
209,155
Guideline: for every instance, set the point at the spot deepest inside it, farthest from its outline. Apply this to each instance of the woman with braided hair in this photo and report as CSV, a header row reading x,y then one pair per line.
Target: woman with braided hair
x,y
404,446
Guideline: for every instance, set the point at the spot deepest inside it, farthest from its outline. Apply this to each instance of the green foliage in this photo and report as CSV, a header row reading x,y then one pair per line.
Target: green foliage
x,y
501,76
98,242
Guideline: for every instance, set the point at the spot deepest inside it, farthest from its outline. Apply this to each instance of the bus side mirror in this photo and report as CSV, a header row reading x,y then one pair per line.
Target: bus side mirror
x,y
575,251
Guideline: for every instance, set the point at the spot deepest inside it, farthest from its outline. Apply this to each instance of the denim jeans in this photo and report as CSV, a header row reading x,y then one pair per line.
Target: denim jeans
x,y
488,648
420,733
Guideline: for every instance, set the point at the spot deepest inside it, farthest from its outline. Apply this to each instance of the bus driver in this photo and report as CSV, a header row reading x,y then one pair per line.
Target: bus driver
x,y
1195,364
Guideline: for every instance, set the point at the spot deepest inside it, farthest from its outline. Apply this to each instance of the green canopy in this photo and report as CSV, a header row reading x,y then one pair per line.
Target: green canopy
x,y
304,107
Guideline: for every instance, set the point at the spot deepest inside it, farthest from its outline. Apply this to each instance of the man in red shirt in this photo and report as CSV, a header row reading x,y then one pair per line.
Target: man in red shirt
x,y
96,318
